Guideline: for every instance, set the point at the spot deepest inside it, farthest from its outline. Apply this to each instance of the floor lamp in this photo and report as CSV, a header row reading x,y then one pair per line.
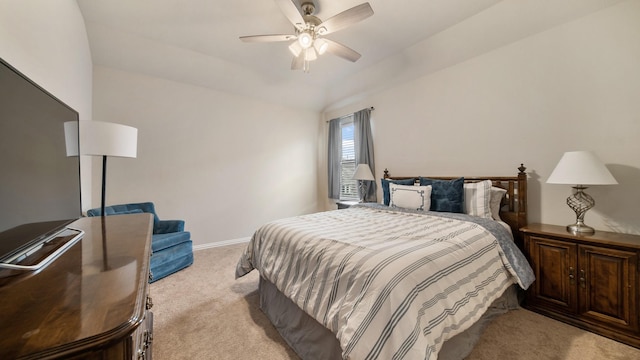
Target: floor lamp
x,y
104,139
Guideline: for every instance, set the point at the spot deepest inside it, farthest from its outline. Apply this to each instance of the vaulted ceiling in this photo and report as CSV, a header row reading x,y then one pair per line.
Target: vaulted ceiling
x,y
197,41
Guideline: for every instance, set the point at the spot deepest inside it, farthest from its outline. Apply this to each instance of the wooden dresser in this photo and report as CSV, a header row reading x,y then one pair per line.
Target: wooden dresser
x,y
90,303
592,282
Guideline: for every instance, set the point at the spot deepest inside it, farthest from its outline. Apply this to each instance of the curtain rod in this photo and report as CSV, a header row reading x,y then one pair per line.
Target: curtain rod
x,y
345,116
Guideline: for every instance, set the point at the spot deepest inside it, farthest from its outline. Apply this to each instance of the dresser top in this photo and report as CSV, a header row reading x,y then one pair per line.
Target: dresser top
x,y
600,237
94,292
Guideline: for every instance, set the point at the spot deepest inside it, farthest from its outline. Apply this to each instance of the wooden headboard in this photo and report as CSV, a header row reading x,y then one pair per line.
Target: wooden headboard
x,y
513,210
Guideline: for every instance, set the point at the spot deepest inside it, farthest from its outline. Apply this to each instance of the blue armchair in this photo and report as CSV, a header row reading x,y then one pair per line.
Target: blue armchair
x,y
171,246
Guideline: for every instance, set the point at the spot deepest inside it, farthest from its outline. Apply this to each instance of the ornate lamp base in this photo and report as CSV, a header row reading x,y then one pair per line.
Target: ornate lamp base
x,y
580,229
580,202
364,188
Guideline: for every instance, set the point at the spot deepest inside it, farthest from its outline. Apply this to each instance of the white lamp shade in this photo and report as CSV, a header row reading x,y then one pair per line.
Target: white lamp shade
x,y
321,46
363,172
305,39
295,48
101,138
581,168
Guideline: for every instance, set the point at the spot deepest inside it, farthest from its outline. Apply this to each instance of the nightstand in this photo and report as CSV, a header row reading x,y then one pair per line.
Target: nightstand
x,y
591,282
345,204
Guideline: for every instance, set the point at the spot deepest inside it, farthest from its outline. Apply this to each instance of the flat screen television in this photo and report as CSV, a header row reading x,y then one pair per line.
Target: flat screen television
x,y
39,183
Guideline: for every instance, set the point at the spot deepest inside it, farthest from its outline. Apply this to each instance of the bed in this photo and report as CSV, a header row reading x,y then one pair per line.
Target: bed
x,y
395,280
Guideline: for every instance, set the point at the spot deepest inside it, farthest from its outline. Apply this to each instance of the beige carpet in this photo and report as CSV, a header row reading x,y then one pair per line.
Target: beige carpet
x,y
202,312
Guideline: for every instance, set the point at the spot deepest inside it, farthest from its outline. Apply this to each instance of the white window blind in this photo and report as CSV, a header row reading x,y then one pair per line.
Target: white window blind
x,y
348,186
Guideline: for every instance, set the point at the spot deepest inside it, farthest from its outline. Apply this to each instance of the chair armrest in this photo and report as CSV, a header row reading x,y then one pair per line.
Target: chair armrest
x,y
169,226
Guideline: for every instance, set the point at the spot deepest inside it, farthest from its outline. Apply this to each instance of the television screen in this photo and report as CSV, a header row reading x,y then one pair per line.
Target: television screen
x,y
38,182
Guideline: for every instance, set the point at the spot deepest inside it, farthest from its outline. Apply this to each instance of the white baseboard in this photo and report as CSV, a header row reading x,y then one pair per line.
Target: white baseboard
x,y
221,243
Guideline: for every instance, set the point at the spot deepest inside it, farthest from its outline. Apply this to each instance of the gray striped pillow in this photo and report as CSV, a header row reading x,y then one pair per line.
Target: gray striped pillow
x,y
477,199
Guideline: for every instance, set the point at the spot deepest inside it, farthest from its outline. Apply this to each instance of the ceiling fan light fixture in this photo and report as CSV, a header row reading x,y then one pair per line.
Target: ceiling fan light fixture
x,y
295,48
310,54
305,39
321,46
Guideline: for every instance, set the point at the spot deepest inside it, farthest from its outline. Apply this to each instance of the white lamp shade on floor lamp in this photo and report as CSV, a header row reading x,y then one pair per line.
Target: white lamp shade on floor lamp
x,y
101,139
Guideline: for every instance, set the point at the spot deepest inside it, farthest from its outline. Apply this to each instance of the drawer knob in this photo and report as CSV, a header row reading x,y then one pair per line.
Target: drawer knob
x,y
583,280
572,277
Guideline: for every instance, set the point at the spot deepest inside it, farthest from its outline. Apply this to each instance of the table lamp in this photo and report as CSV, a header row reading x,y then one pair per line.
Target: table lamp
x,y
580,168
363,175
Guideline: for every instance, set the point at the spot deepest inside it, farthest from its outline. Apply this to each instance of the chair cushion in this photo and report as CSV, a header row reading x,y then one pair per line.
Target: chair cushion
x,y
168,226
171,260
160,242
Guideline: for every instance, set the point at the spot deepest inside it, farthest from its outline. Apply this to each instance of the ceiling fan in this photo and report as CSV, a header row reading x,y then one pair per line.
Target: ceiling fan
x,y
308,39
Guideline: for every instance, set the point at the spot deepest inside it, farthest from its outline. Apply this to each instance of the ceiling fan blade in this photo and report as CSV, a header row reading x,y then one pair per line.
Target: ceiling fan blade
x,y
342,51
291,12
345,18
268,38
298,62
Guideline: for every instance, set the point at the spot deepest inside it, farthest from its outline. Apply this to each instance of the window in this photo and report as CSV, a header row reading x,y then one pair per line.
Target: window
x,y
348,186
342,150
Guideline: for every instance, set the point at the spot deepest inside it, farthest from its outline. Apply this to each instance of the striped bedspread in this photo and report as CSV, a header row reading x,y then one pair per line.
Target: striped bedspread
x,y
390,284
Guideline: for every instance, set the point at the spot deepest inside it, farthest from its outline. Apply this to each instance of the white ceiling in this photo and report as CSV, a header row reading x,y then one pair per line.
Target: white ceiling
x,y
196,41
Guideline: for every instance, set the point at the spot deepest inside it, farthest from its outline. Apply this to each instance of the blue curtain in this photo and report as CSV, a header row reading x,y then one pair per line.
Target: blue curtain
x,y
334,157
363,142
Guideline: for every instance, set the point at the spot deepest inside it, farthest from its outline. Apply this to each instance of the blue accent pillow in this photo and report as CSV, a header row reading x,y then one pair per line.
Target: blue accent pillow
x,y
385,187
446,195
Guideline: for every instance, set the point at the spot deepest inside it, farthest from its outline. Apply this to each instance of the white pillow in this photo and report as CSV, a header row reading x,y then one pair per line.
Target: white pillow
x,y
494,202
410,196
477,197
